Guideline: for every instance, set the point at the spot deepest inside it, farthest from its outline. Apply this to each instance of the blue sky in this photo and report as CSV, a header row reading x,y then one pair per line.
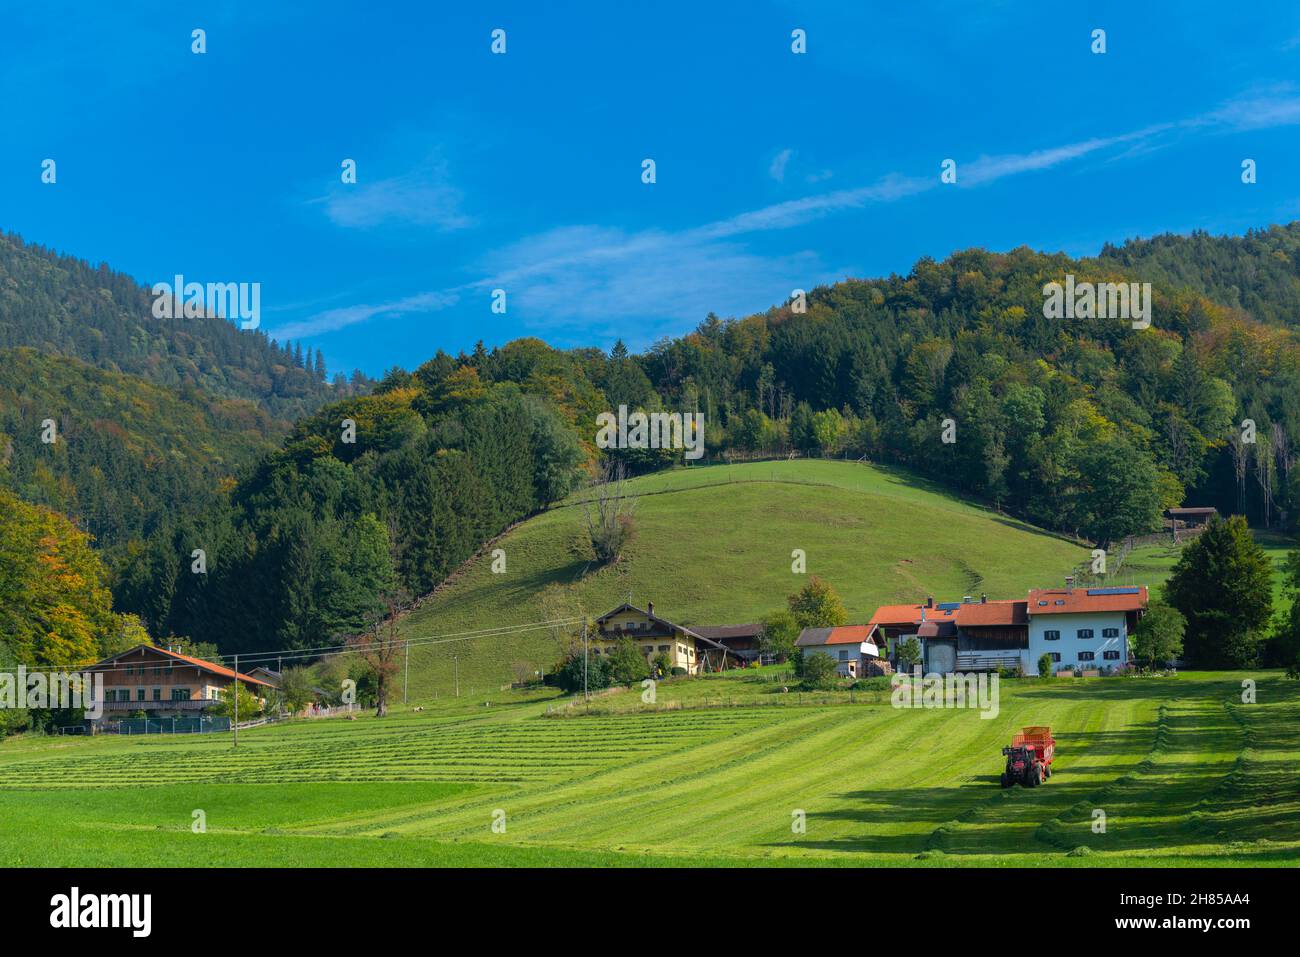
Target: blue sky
x,y
476,171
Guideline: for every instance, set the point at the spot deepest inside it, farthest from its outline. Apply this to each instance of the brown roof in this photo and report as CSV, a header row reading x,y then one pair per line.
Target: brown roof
x,y
1060,601
177,656
1193,510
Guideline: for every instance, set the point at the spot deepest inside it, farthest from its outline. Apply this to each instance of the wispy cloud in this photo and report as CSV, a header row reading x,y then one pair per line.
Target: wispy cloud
x,y
1275,105
593,276
334,319
779,163
987,169
424,196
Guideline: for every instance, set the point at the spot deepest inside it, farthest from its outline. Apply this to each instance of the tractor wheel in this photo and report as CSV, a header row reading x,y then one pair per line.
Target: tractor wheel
x,y
1047,771
1006,780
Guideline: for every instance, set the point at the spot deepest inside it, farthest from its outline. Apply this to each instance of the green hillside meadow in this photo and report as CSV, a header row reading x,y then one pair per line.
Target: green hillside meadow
x,y
713,546
716,771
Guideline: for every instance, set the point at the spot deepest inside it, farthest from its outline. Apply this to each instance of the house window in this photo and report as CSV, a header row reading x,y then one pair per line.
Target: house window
x,y
1084,633
157,694
844,654
139,694
1051,635
1110,655
663,647
1110,632
180,694
1055,656
1086,655
1060,601
648,649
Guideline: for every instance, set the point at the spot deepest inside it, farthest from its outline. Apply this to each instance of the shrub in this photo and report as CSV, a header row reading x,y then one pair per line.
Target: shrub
x,y
780,631
1045,666
626,663
909,653
818,672
569,675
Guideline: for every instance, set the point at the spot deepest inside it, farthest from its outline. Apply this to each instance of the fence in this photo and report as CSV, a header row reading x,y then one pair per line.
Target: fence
x,y
196,725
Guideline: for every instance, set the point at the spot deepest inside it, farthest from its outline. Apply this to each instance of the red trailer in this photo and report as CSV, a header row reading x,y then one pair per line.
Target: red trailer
x,y
1029,759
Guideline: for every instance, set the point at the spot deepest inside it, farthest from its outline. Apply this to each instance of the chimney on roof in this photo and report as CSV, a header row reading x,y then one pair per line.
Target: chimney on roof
x,y
1069,584
650,608
984,598
929,601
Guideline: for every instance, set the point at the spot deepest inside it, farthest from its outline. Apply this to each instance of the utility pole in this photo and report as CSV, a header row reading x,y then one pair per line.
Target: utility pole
x,y
406,679
235,686
455,660
584,660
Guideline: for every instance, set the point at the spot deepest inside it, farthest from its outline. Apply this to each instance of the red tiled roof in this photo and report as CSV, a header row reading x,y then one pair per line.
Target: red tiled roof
x,y
897,615
986,614
1059,601
196,662
973,614
850,634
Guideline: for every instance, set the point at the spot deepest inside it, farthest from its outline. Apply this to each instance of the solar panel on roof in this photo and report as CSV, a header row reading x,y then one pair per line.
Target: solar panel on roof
x,y
1114,591
949,605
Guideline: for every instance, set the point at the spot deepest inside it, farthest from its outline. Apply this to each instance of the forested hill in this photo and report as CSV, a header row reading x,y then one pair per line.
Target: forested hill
x,y
120,455
1258,272
1085,425
1081,424
66,306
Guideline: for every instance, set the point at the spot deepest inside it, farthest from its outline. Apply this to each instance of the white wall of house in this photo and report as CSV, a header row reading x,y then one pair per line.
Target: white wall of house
x,y
844,654
1109,635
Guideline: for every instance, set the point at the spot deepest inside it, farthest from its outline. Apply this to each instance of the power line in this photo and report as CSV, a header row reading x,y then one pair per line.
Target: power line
x,y
292,654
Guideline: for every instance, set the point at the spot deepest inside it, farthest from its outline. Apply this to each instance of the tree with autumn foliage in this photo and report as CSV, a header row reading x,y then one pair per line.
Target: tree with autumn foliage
x,y
55,606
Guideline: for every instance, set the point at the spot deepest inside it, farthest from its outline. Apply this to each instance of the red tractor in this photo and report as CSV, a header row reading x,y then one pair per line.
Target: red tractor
x,y
1029,759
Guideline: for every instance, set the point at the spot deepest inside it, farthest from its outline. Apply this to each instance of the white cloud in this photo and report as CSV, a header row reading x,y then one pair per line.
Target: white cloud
x,y
334,319
779,163
1277,105
423,197
594,276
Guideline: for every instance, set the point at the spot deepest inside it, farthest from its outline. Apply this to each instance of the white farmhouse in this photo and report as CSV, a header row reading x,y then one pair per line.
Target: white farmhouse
x,y
1083,628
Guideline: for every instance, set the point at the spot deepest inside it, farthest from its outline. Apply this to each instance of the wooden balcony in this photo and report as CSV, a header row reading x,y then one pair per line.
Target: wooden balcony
x,y
186,704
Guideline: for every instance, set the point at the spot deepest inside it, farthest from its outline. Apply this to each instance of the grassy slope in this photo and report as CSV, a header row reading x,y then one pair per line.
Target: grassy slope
x,y
1153,564
713,545
1185,772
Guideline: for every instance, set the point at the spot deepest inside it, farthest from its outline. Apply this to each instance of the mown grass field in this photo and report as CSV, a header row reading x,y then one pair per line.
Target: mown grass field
x,y
713,773
713,546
